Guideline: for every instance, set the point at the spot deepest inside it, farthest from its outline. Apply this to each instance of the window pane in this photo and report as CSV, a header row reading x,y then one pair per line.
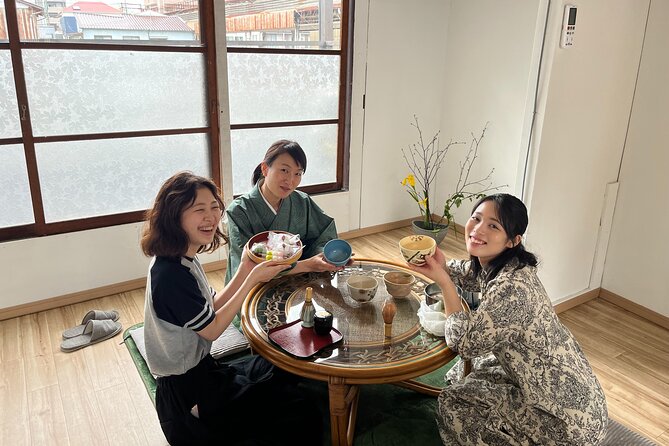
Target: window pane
x,y
79,92
10,127
283,24
282,87
168,22
90,178
15,205
318,141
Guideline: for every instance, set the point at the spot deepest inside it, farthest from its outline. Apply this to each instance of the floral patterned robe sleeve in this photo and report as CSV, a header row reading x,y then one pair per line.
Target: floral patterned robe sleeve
x,y
476,334
459,272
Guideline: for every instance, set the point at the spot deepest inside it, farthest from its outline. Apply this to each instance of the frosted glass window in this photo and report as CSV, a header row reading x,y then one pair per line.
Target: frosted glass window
x,y
15,205
89,178
10,127
282,87
80,92
319,143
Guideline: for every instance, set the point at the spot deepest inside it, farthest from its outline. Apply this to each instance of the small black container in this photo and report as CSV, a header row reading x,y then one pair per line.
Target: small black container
x,y
322,322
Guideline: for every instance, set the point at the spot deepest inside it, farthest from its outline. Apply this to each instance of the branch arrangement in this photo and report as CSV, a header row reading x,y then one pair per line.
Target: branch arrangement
x,y
424,161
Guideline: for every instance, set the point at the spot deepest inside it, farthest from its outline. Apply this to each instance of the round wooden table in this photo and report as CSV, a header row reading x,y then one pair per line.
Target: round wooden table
x,y
364,355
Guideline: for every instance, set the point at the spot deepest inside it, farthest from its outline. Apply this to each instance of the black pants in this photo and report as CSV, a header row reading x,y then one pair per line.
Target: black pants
x,y
247,402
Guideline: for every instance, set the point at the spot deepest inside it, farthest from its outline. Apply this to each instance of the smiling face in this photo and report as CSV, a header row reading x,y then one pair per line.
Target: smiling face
x,y
484,234
281,178
200,220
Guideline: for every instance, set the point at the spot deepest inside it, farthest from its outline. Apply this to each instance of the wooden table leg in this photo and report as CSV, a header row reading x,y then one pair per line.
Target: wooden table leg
x,y
419,387
343,411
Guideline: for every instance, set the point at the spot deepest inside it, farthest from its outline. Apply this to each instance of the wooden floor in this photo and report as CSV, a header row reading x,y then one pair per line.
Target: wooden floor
x,y
94,396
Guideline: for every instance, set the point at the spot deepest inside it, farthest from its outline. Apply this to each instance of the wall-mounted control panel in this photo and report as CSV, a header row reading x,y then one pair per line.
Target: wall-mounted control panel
x,y
568,27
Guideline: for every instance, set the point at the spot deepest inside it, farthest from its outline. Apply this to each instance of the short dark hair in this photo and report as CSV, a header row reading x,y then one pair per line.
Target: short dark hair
x,y
512,215
279,148
163,234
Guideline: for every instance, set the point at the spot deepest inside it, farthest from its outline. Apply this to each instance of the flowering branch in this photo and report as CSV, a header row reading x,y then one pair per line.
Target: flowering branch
x,y
424,162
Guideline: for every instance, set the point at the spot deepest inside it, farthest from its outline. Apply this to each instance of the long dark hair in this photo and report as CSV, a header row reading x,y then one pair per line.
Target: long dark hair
x,y
279,148
163,234
512,214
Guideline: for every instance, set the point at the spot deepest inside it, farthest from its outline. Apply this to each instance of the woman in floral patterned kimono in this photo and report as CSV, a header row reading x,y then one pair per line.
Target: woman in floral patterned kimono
x,y
531,383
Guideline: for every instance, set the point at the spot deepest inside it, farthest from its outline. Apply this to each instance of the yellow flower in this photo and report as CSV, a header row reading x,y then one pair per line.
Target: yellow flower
x,y
423,203
409,180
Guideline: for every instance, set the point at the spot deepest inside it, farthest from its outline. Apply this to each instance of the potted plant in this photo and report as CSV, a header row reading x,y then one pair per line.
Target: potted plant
x,y
424,161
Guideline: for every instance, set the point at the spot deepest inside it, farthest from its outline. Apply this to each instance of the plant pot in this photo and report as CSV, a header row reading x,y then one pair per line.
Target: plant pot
x,y
438,233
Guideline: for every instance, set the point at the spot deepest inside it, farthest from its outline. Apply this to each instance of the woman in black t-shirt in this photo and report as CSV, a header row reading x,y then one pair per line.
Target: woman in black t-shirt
x,y
198,399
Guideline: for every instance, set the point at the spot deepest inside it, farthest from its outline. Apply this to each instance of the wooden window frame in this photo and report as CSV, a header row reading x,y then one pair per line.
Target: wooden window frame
x,y
207,46
343,120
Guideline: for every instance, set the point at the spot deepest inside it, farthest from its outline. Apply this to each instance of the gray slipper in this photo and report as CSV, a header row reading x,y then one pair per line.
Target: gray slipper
x,y
97,315
94,332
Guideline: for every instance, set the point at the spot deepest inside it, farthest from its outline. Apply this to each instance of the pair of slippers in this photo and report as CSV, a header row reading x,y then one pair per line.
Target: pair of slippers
x,y
96,326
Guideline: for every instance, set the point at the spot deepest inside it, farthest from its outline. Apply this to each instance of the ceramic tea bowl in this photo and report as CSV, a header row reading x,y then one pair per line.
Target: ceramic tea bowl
x,y
362,288
415,248
337,252
398,283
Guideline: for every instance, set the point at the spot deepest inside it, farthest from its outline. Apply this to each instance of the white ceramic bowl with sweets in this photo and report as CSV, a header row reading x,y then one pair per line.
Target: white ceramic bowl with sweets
x,y
261,256
362,288
415,248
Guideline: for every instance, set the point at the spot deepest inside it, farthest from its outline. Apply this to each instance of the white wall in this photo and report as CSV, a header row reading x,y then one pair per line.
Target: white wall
x,y
447,63
403,74
582,122
635,266
45,267
490,76
41,268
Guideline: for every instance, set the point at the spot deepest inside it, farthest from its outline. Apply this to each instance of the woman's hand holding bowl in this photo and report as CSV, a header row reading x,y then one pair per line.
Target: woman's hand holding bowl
x,y
434,267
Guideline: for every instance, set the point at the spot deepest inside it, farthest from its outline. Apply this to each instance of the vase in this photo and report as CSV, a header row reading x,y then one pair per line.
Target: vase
x,y
438,233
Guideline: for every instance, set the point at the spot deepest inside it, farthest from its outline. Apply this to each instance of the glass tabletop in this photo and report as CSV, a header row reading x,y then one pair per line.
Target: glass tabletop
x,y
364,344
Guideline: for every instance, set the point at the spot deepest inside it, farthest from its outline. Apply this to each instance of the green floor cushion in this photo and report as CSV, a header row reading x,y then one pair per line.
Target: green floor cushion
x,y
436,378
142,368
387,415
231,345
390,415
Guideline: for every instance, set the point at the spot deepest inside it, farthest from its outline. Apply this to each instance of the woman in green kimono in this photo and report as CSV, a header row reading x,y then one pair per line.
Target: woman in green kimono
x,y
274,203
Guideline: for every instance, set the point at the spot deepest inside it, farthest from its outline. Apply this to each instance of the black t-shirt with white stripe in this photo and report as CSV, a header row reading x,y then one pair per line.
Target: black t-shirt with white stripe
x,y
179,303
